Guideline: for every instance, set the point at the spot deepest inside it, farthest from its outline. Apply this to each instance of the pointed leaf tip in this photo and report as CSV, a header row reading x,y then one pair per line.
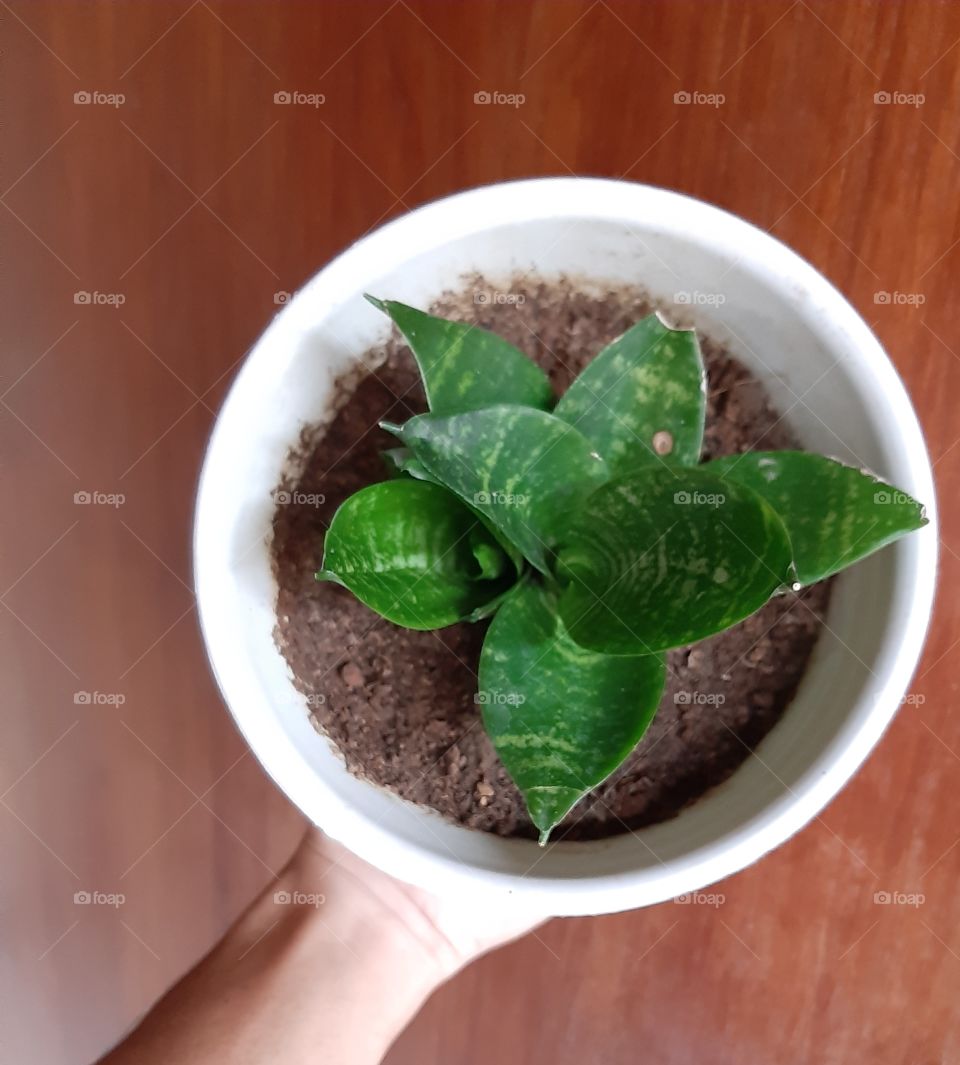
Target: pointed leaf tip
x,y
834,514
465,367
561,718
378,303
642,399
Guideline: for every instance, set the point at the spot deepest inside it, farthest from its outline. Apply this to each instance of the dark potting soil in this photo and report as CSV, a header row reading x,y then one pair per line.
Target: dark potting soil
x,y
399,705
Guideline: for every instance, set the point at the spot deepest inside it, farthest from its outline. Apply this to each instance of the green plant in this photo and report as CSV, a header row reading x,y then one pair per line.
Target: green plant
x,y
590,529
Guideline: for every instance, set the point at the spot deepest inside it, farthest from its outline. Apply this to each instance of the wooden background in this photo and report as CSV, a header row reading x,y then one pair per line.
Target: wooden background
x,y
195,199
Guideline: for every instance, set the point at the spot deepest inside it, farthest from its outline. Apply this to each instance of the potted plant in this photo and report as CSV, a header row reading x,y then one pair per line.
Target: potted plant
x,y
569,557
591,532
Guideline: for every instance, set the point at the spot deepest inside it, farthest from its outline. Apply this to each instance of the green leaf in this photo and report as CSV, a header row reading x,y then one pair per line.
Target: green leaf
x,y
491,560
409,550
562,718
523,469
661,558
401,460
464,367
648,383
834,514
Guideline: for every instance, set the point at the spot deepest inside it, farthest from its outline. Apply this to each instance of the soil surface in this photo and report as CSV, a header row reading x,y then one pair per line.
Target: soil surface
x,y
399,704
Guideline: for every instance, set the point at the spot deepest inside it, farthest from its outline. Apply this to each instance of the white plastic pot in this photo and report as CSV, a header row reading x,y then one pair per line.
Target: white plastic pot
x,y
825,371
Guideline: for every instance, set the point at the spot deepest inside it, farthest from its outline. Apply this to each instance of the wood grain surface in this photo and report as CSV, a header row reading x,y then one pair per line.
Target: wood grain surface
x,y
194,200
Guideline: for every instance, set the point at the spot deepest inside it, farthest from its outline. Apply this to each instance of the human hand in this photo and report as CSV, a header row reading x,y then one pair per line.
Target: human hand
x,y
329,964
452,929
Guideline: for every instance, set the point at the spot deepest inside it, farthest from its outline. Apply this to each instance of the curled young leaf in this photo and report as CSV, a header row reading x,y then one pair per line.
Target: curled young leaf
x,y
464,367
562,718
523,469
411,551
643,398
834,514
661,558
401,460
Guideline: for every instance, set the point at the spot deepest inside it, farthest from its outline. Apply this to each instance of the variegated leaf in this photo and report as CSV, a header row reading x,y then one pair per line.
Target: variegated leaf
x,y
661,558
562,718
834,514
411,551
643,398
464,367
523,469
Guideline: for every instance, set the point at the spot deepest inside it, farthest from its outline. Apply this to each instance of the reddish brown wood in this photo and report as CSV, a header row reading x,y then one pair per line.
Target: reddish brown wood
x,y
197,200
